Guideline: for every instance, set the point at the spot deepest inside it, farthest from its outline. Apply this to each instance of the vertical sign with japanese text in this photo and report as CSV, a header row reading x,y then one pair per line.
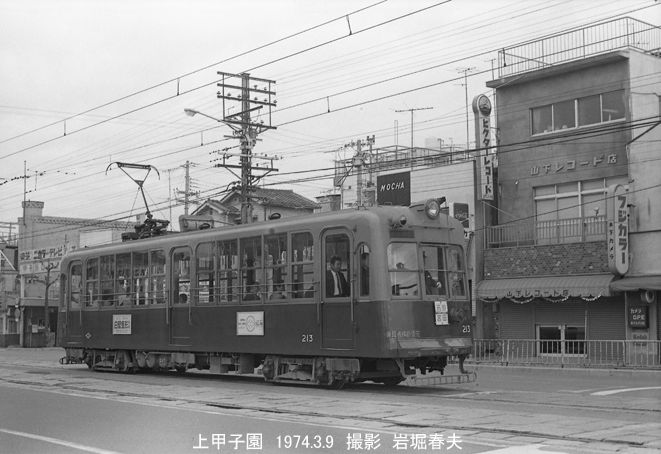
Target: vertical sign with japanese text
x,y
617,229
482,110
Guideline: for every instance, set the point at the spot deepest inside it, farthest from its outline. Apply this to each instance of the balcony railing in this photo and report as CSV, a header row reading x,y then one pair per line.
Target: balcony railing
x,y
530,232
584,42
570,353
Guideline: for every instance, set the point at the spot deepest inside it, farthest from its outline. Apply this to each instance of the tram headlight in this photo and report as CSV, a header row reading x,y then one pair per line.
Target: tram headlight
x,y
432,209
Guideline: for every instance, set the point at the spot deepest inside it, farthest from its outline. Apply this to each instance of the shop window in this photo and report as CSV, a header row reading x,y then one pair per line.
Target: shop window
x,y
542,119
564,115
612,105
302,269
560,340
589,110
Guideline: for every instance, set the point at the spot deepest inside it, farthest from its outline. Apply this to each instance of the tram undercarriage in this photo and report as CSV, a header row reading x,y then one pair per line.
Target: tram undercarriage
x,y
333,372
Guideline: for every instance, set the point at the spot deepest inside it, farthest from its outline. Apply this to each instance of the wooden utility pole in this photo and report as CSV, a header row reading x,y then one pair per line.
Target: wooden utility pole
x,y
255,94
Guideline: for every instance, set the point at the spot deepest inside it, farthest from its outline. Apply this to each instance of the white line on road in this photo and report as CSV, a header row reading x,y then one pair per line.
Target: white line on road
x,y
57,441
626,390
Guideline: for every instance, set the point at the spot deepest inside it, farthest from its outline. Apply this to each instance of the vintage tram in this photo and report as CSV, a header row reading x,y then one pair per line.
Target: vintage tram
x,y
327,299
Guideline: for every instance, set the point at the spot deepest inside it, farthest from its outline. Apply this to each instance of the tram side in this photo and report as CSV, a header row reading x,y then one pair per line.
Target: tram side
x,y
266,296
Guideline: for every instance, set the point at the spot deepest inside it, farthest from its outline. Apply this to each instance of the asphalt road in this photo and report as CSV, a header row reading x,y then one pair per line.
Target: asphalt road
x,y
47,407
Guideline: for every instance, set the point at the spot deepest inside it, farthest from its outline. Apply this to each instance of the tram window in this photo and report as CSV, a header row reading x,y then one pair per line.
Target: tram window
x,y
456,272
252,272
275,266
107,278
75,285
157,277
181,275
302,269
228,266
140,279
92,282
123,284
337,265
434,270
364,252
204,287
403,269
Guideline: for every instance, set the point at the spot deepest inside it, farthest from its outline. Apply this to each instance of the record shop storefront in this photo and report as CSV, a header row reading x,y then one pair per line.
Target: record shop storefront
x,y
554,308
618,318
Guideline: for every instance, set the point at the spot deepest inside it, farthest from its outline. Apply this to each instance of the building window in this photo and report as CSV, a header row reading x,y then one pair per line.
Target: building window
x,y
560,340
571,212
585,111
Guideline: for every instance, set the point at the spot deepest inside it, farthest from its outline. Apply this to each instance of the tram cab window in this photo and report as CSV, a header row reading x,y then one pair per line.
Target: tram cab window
x,y
337,266
275,266
75,285
433,263
124,279
456,271
204,287
228,276
157,277
181,275
92,282
302,269
403,269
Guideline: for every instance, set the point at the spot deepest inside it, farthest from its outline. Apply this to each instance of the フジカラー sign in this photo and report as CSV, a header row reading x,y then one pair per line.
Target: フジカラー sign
x,y
617,229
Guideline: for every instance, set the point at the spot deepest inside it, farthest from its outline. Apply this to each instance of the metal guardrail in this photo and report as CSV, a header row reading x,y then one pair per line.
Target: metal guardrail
x,y
531,232
571,353
584,42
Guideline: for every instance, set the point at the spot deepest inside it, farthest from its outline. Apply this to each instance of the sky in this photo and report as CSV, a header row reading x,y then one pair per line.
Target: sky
x,y
89,83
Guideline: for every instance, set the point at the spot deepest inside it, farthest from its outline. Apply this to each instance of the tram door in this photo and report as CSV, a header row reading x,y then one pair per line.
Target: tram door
x,y
336,300
73,293
179,301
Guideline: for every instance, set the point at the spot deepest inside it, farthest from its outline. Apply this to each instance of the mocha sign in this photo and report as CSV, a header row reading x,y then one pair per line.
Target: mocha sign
x,y
394,189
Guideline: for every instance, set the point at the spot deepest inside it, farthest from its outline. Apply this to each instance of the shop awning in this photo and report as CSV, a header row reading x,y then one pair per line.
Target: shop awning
x,y
637,283
589,286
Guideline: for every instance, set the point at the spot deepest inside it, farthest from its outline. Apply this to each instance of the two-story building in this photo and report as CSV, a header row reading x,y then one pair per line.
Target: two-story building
x,y
576,254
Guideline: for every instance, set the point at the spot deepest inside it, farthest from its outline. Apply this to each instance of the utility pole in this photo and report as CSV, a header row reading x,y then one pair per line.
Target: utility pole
x,y
359,163
245,129
187,187
412,110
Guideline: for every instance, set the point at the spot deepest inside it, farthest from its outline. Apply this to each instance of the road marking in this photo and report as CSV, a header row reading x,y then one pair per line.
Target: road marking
x,y
57,441
523,450
626,390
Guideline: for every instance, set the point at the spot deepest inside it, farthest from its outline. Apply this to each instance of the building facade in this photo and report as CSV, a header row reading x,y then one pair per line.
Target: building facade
x,y
42,242
575,253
